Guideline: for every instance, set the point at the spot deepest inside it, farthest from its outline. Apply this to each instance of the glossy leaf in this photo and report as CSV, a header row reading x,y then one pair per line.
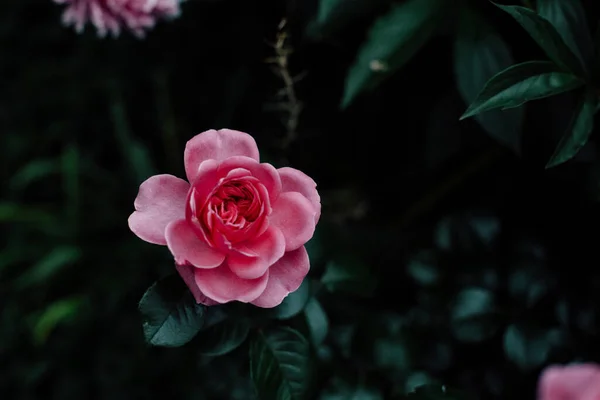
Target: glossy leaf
x,y
223,338
479,54
317,321
474,316
546,36
569,19
521,83
578,133
280,364
293,304
530,348
171,316
392,41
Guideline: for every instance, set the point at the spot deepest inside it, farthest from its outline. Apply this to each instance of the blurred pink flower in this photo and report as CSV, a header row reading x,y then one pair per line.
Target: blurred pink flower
x,y
237,230
570,382
111,15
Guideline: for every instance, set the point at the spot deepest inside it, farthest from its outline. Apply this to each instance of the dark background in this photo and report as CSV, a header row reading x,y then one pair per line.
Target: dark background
x,y
439,213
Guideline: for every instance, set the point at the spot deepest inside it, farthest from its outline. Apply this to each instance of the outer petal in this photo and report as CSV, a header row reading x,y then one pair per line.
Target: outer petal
x,y
265,173
187,247
267,249
222,285
285,276
293,180
187,274
569,382
295,216
217,145
160,201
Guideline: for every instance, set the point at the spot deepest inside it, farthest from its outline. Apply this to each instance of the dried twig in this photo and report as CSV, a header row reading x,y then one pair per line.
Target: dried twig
x,y
288,103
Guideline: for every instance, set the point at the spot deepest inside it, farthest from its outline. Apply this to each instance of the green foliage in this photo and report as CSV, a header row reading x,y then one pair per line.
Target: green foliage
x,y
223,337
569,19
521,83
280,364
479,54
546,36
578,132
392,40
171,316
349,275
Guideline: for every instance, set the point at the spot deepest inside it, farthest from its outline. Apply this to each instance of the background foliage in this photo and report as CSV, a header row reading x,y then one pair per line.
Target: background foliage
x,y
447,253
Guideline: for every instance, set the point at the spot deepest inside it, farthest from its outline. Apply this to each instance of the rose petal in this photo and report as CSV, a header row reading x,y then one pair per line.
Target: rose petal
x,y
295,216
160,201
265,173
222,285
568,382
285,276
187,247
217,145
187,274
293,180
267,248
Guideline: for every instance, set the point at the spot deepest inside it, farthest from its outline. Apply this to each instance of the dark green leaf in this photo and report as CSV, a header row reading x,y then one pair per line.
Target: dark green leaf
x,y
392,41
568,17
317,321
529,348
479,54
424,268
334,15
578,133
474,317
349,275
521,83
434,392
280,364
48,266
171,316
546,36
293,304
223,338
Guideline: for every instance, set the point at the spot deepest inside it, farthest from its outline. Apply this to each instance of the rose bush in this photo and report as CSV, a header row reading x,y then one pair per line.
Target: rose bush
x,y
237,230
572,382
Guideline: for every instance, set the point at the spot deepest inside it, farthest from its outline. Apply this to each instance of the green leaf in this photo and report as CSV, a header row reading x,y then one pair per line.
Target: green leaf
x,y
479,54
521,83
56,313
474,316
392,41
334,15
48,266
578,133
424,268
317,321
223,337
33,172
546,36
171,316
434,392
280,364
568,17
349,275
292,304
530,348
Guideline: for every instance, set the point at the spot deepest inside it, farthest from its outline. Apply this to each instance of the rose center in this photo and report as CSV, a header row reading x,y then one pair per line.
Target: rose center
x,y
236,203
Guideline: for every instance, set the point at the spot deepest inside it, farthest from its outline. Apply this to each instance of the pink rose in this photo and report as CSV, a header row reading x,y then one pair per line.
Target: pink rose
x,y
111,15
571,382
237,232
